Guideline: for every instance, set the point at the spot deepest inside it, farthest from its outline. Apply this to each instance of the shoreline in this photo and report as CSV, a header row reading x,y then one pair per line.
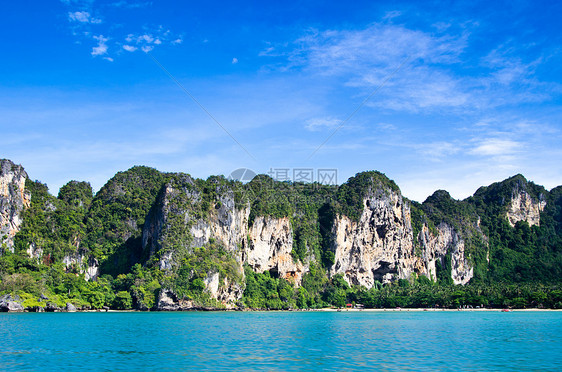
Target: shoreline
x,y
327,310
433,310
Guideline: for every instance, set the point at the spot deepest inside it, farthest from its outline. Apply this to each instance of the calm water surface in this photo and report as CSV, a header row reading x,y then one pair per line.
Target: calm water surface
x,y
282,341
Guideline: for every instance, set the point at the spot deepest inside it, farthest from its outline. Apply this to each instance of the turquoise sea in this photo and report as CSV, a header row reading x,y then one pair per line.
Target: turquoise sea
x,y
282,341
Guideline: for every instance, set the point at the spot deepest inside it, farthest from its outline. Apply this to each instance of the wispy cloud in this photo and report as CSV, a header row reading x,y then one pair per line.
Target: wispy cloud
x,y
84,25
436,75
366,57
83,17
129,48
101,48
378,46
439,151
496,147
317,124
148,40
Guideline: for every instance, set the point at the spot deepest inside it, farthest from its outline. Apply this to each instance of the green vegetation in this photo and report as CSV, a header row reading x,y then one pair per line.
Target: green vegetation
x,y
523,253
187,280
51,224
351,194
517,266
116,216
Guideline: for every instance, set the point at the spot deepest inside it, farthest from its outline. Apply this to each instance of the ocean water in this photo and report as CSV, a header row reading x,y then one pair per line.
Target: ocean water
x,y
282,341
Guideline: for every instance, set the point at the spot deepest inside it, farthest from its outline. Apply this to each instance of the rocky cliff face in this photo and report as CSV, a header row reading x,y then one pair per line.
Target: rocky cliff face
x,y
378,247
435,248
225,223
269,249
87,265
177,221
13,200
525,208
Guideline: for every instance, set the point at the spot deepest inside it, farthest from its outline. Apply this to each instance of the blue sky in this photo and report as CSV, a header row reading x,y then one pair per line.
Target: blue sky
x,y
471,91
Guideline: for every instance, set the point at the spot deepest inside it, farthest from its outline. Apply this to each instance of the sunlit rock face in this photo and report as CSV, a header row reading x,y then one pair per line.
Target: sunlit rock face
x,y
269,249
524,208
13,200
435,248
378,247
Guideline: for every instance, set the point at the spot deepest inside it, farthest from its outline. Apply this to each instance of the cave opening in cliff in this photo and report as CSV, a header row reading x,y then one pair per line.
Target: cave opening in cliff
x,y
274,272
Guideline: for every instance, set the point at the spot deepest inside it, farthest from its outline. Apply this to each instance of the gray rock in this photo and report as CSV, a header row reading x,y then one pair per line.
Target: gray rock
x,y
70,307
167,301
10,304
51,307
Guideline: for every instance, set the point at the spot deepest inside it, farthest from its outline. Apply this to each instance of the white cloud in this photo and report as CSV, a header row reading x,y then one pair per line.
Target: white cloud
x,y
496,147
146,37
148,41
83,17
433,73
367,57
101,48
129,48
378,46
234,61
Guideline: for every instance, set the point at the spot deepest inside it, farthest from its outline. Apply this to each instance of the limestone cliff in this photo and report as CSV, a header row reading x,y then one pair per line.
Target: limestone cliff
x,y
184,218
435,248
13,200
269,249
84,264
523,207
378,247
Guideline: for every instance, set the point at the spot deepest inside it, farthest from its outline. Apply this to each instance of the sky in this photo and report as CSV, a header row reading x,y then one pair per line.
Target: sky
x,y
436,95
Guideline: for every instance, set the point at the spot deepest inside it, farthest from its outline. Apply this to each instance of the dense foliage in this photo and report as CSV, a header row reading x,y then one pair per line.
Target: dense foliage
x,y
116,216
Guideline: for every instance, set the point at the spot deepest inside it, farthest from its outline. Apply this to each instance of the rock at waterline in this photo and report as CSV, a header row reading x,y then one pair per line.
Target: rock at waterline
x,y
10,304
